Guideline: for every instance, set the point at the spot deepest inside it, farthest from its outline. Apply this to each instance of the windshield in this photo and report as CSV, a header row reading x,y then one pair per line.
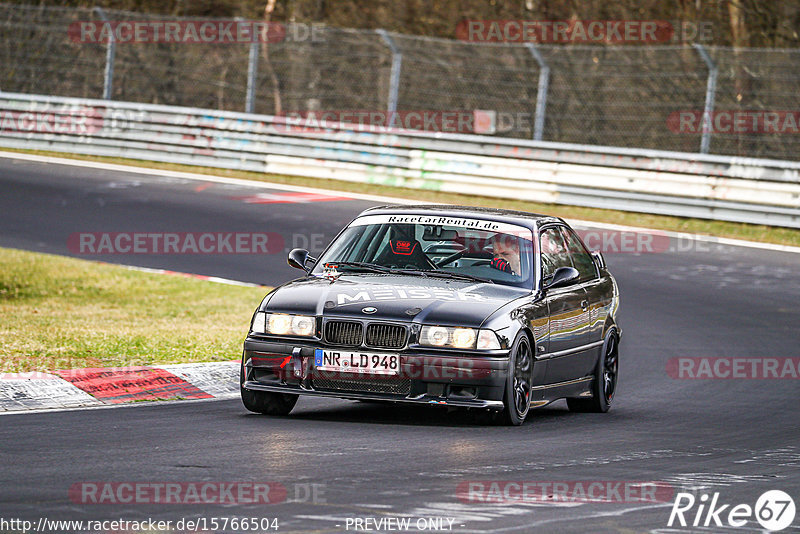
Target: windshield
x,y
434,246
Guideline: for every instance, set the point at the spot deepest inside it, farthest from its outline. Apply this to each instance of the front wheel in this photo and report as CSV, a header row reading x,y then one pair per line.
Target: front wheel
x,y
517,398
266,402
605,380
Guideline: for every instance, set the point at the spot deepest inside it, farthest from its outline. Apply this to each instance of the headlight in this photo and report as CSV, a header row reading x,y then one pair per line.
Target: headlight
x,y
259,325
278,323
303,325
458,337
463,338
487,340
282,324
435,335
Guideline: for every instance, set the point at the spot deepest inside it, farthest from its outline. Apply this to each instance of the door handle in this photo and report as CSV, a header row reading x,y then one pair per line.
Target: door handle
x,y
584,304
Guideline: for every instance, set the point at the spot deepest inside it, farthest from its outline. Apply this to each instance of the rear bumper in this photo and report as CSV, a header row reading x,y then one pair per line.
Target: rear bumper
x,y
434,378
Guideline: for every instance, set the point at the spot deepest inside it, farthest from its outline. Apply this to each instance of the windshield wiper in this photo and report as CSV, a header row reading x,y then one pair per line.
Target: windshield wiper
x,y
372,267
361,265
444,274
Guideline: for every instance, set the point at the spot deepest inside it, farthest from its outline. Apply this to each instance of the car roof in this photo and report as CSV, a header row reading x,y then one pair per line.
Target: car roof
x,y
531,220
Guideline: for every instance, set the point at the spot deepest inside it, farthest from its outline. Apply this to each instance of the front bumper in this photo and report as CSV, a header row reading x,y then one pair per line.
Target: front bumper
x,y
445,378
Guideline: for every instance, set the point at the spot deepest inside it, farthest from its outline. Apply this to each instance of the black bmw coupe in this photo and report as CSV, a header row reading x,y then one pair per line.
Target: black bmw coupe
x,y
445,305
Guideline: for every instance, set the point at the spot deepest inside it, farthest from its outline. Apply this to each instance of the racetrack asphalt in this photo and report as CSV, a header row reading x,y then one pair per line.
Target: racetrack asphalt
x,y
737,437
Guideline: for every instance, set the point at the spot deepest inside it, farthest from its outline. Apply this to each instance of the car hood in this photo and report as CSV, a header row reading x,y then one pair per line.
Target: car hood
x,y
394,297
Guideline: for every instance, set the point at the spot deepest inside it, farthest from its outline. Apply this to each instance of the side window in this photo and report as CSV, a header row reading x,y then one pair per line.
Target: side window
x,y
554,252
581,259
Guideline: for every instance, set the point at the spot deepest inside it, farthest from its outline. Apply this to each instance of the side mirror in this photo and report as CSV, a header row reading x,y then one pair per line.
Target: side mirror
x,y
298,258
562,277
599,260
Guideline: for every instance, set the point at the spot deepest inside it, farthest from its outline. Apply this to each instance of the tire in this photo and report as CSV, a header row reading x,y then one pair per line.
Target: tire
x,y
605,380
517,397
266,402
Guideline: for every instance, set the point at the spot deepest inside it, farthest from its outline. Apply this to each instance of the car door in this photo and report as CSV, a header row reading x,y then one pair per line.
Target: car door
x,y
593,306
567,306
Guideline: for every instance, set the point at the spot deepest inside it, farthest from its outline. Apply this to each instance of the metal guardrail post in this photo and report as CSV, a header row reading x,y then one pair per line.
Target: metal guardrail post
x,y
111,47
541,93
397,62
252,71
711,90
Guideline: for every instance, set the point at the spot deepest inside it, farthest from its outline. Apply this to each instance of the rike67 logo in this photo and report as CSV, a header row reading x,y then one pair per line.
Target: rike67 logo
x,y
774,511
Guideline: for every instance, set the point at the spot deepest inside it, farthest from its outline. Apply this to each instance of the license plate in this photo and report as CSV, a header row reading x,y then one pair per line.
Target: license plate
x,y
357,362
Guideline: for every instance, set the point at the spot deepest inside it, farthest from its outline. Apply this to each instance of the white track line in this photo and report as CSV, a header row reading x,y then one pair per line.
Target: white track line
x,y
200,177
215,279
376,198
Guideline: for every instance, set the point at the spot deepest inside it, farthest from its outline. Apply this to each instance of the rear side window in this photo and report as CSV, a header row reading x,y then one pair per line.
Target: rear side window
x,y
581,259
554,252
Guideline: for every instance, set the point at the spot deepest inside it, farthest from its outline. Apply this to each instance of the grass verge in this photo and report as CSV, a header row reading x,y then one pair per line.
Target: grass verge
x,y
750,232
63,313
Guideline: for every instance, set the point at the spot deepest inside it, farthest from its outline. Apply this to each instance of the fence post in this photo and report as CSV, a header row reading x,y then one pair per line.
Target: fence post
x,y
541,93
711,90
252,71
111,47
397,63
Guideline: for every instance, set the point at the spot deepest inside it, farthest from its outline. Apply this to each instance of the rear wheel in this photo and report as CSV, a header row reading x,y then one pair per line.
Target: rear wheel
x,y
266,402
517,398
605,380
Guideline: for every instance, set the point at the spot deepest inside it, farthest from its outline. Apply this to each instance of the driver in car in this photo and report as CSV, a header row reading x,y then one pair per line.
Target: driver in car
x,y
505,249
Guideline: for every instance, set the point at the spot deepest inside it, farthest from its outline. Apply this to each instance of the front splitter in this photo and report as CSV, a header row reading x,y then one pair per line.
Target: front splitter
x,y
421,399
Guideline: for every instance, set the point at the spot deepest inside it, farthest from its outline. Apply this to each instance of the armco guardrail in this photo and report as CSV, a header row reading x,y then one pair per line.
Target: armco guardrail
x,y
670,183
